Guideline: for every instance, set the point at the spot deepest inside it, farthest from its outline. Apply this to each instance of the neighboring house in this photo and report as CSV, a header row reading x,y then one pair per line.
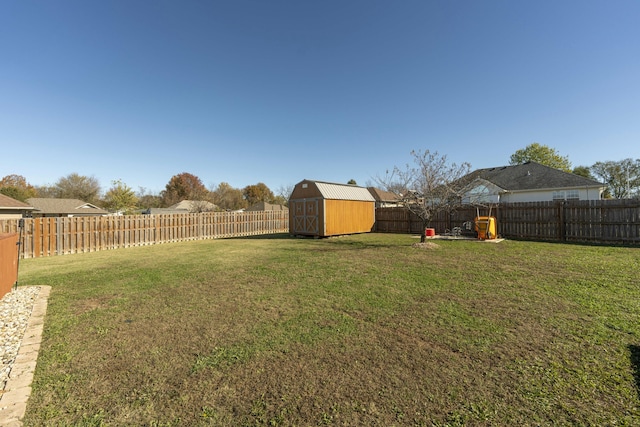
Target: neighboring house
x,y
185,206
49,207
384,199
322,209
162,211
528,182
264,206
11,208
194,206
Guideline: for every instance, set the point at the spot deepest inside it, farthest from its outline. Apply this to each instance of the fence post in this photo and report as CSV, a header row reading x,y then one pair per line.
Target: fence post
x,y
58,236
562,226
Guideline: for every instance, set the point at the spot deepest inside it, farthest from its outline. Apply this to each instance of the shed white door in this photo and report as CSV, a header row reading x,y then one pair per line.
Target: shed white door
x,y
306,217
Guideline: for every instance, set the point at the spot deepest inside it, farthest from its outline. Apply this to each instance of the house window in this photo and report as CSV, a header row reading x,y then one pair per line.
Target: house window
x,y
566,195
573,195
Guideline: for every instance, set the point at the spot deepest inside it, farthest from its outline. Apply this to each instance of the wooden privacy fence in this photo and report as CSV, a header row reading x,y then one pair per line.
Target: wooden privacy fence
x,y
589,221
8,262
61,236
599,221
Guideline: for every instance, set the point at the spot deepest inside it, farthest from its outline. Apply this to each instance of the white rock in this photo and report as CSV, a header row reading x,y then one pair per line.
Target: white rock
x,y
15,310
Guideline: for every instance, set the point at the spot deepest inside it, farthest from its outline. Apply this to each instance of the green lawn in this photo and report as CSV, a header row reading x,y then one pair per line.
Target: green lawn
x,y
356,330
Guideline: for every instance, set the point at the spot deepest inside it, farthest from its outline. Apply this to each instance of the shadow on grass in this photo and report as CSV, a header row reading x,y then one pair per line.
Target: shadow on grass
x,y
275,236
336,240
361,245
635,364
612,244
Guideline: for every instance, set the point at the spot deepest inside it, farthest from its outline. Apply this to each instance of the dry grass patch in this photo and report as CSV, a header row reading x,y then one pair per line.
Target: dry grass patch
x,y
425,245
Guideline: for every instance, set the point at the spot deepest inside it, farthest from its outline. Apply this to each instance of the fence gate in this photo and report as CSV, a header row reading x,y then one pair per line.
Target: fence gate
x,y
305,220
8,262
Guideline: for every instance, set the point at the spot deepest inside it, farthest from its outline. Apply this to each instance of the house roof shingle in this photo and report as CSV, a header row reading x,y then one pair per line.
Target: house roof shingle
x,y
191,205
7,202
265,206
65,206
382,195
531,176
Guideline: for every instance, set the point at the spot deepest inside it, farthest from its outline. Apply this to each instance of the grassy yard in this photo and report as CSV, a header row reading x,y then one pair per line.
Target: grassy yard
x,y
357,330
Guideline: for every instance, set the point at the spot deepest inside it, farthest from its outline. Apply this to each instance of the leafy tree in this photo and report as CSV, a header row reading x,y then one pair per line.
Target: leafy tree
x,y
120,198
257,193
228,198
433,185
542,154
352,182
279,200
621,177
17,187
75,186
13,192
583,171
184,186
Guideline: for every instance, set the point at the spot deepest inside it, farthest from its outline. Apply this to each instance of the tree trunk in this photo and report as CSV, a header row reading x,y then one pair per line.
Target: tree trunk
x,y
423,237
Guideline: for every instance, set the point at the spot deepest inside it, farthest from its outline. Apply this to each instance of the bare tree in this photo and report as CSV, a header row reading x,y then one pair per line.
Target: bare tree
x,y
199,206
283,193
75,186
430,186
147,199
46,191
622,177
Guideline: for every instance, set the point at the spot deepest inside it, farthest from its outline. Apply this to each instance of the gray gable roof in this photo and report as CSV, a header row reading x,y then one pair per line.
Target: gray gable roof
x,y
163,211
190,205
383,195
531,176
265,206
65,206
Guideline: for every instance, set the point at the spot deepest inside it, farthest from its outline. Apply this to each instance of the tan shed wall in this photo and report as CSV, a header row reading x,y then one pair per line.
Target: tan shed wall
x,y
348,216
323,218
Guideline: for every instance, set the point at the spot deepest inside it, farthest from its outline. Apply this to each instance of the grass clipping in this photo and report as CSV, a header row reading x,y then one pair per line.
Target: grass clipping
x,y
425,245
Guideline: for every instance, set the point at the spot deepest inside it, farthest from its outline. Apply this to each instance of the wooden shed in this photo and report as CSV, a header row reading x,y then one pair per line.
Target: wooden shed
x,y
323,209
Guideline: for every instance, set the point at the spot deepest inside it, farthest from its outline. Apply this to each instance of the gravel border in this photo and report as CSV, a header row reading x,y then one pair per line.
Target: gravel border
x,y
15,310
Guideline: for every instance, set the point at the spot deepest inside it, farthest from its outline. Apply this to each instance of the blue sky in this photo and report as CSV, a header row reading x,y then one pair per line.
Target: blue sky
x,y
279,91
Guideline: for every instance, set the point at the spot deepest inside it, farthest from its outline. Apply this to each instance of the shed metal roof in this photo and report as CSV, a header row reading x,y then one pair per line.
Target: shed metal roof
x,y
344,192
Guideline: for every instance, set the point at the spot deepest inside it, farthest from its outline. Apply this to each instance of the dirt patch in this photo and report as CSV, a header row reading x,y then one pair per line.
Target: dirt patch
x,y
90,304
425,245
